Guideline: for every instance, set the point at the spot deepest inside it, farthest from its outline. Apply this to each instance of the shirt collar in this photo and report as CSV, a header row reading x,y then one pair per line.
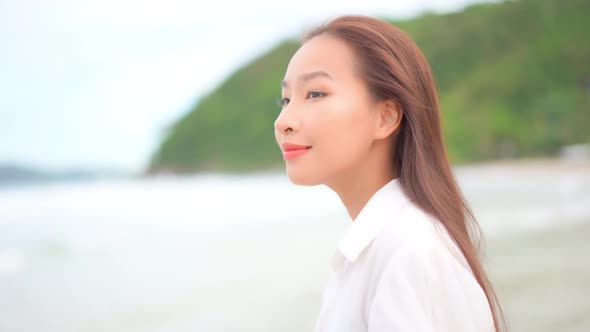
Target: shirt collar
x,y
380,209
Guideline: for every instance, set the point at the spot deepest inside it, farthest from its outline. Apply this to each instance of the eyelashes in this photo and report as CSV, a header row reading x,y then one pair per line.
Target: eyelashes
x,y
284,101
321,94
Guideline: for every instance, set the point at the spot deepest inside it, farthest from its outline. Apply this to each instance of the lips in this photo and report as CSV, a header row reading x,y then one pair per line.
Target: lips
x,y
291,150
292,147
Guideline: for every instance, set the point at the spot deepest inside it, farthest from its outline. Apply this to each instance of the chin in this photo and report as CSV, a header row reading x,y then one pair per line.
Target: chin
x,y
302,178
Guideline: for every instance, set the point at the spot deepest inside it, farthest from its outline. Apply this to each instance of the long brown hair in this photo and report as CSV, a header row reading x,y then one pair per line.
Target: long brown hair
x,y
394,68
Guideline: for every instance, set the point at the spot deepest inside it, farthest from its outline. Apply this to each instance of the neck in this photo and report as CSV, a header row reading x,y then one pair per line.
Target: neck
x,y
356,189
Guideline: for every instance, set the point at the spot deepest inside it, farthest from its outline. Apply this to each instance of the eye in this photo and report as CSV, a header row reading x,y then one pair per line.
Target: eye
x,y
283,102
315,93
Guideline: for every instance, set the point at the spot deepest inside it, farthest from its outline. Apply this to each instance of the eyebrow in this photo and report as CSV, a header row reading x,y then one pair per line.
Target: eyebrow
x,y
309,76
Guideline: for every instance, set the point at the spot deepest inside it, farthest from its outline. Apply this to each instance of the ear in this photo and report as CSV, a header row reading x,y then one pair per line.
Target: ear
x,y
388,119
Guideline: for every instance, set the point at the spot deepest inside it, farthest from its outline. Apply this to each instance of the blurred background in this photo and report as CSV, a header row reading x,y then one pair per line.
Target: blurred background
x,y
141,188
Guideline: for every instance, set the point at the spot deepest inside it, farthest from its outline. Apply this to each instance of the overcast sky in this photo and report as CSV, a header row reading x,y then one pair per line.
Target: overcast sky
x,y
93,83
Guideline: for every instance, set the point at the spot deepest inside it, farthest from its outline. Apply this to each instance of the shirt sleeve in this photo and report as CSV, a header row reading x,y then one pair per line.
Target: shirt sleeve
x,y
427,290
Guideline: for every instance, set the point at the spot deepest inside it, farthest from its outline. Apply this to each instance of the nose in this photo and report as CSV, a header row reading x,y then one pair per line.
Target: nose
x,y
286,121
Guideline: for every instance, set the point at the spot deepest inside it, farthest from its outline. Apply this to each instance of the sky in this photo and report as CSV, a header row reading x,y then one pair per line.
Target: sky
x,y
94,84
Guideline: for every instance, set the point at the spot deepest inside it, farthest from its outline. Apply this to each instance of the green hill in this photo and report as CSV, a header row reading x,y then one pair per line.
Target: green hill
x,y
513,81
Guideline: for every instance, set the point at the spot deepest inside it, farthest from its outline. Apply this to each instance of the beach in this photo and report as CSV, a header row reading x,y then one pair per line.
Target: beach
x,y
226,252
543,277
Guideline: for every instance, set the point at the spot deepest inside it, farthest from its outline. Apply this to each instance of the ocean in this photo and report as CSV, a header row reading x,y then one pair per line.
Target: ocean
x,y
229,252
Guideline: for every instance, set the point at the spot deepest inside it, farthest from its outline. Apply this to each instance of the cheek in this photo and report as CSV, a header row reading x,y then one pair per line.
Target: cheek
x,y
345,134
339,132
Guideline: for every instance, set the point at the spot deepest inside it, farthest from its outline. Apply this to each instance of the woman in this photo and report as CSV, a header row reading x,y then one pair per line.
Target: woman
x,y
360,115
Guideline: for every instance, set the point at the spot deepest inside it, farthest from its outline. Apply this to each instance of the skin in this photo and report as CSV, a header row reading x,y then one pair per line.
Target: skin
x,y
350,132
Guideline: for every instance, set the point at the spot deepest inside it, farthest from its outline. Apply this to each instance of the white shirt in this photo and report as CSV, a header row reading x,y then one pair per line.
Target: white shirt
x,y
393,272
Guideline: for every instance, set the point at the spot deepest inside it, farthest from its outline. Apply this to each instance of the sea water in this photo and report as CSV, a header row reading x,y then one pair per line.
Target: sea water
x,y
215,252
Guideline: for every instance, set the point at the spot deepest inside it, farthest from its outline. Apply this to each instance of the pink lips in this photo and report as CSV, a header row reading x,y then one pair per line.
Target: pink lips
x,y
291,151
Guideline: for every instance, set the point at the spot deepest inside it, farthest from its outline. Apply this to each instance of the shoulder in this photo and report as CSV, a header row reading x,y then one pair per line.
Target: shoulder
x,y
425,289
412,232
427,281
415,242
424,282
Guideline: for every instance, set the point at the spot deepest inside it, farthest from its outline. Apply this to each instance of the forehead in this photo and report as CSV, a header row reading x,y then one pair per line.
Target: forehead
x,y
322,53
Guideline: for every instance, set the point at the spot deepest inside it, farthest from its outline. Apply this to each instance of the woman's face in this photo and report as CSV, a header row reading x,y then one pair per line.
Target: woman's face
x,y
328,107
